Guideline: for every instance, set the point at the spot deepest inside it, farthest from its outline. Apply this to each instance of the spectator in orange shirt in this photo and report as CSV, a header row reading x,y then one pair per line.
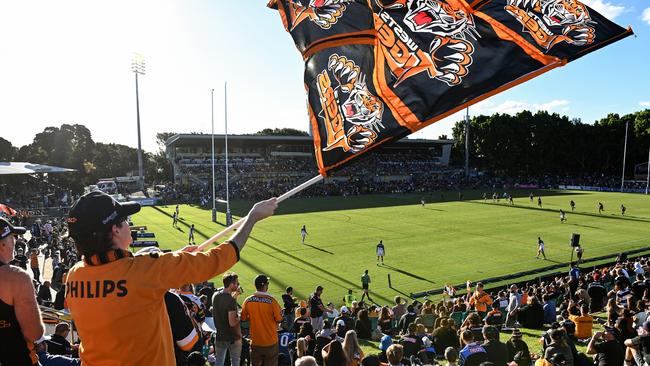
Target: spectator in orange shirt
x,y
584,322
480,300
264,314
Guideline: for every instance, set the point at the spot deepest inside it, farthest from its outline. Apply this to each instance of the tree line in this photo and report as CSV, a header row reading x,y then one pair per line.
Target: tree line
x,y
535,144
524,144
72,146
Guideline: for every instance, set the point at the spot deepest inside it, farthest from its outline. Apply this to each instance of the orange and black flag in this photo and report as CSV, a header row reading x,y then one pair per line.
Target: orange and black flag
x,y
378,70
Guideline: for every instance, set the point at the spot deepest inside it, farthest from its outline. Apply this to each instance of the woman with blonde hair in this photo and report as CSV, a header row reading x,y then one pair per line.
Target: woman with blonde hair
x,y
352,349
301,347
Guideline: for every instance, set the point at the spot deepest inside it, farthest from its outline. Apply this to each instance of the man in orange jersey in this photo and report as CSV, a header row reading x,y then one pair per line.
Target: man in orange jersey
x,y
480,300
264,314
117,299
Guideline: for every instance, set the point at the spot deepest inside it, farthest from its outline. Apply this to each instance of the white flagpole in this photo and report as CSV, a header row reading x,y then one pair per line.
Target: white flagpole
x,y
225,109
214,203
467,143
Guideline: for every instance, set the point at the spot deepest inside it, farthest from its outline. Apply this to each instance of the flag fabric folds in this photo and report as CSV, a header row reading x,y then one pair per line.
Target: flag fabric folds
x,y
378,70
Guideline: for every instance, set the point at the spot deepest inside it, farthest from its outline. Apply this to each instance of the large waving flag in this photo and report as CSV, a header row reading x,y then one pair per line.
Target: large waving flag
x,y
378,70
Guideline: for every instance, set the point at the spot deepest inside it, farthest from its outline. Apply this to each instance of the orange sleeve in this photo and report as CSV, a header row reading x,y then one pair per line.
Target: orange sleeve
x,y
277,311
489,299
171,270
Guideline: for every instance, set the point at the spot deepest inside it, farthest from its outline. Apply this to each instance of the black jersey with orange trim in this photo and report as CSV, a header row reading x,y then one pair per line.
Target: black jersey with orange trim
x,y
187,336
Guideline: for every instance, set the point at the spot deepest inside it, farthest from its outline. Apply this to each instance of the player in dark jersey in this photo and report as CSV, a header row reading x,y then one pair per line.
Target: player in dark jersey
x,y
601,208
623,209
539,202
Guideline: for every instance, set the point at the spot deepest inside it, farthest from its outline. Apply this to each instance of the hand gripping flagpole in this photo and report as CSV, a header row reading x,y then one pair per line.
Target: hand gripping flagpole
x,y
236,225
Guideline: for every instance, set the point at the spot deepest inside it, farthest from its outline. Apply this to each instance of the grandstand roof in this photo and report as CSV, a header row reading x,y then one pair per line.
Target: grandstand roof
x,y
201,139
29,168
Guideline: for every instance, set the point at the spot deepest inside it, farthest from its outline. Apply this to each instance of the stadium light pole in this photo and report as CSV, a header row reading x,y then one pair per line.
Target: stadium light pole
x,y
214,203
467,143
624,153
225,115
138,68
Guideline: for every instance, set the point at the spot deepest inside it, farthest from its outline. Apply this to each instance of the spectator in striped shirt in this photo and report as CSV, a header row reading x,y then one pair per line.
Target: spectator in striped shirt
x,y
621,292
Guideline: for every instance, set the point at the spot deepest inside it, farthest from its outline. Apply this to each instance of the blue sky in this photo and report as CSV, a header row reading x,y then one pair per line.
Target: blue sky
x,y
69,62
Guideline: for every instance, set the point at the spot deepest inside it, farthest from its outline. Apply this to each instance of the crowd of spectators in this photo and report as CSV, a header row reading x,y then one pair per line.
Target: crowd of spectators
x,y
472,328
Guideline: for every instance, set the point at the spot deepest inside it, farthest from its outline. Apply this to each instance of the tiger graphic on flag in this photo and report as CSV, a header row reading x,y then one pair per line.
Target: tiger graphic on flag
x,y
355,124
324,13
551,22
449,54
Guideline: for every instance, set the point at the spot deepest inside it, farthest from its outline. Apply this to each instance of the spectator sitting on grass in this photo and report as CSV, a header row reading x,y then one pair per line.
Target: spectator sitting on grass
x,y
306,361
451,356
559,345
399,309
385,342
495,316
362,325
517,347
407,319
584,322
345,316
531,315
474,324
445,336
614,311
607,347
550,314
473,352
352,349
333,355
496,350
395,353
410,342
385,321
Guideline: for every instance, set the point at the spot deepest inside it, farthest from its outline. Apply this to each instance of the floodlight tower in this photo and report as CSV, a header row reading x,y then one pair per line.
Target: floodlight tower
x,y
138,68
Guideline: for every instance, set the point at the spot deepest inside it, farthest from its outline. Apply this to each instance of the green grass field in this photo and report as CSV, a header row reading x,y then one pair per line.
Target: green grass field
x,y
445,241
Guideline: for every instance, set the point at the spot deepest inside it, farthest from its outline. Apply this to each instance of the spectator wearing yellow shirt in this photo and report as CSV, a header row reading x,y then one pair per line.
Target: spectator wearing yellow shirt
x,y
584,322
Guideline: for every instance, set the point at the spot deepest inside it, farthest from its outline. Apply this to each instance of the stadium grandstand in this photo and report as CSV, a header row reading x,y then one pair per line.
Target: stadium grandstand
x,y
259,164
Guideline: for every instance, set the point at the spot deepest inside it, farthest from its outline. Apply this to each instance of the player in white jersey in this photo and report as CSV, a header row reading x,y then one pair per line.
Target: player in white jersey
x,y
303,233
380,252
540,248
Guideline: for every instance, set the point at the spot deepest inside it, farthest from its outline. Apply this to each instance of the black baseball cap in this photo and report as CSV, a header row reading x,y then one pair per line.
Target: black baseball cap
x,y
97,212
261,280
7,229
615,332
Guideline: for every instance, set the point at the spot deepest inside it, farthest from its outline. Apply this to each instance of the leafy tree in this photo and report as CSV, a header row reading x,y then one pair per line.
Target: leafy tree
x,y
281,132
7,150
